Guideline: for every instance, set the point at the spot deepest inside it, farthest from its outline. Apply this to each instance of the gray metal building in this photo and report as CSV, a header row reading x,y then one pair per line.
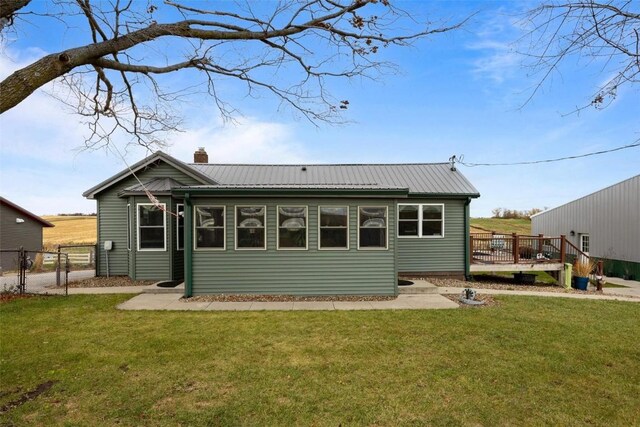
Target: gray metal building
x,y
605,224
18,227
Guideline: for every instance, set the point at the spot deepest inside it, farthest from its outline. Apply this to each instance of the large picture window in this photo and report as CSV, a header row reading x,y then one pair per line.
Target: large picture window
x,y
372,227
151,227
292,227
209,227
421,220
333,225
180,226
250,227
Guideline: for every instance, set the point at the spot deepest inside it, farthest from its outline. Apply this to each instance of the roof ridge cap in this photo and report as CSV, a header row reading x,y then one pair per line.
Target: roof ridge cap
x,y
320,164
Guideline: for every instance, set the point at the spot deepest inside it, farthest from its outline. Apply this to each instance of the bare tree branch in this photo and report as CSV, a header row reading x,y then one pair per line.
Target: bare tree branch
x,y
291,51
590,29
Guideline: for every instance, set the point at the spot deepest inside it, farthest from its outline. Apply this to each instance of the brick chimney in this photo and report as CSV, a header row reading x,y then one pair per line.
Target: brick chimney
x,y
200,156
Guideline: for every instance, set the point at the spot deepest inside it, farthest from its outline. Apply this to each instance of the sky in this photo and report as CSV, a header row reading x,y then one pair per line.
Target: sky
x,y
460,93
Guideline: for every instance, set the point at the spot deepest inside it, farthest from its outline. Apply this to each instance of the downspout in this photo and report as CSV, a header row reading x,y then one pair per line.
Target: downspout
x,y
467,267
188,247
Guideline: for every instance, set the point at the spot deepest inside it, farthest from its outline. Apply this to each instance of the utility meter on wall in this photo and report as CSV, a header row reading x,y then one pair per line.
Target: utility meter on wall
x,y
108,245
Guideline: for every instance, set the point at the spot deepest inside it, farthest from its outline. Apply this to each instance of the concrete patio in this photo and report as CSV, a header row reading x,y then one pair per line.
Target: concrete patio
x,y
173,302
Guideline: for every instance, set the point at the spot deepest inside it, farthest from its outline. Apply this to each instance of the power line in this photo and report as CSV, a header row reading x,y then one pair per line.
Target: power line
x,y
461,161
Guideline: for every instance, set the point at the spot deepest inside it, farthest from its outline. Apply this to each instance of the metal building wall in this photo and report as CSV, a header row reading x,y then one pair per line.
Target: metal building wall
x,y
610,216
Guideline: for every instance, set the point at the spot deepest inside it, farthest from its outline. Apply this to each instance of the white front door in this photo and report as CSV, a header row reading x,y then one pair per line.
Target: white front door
x,y
584,243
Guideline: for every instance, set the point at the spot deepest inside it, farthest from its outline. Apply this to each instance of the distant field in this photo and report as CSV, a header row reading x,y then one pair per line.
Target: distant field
x,y
70,229
500,225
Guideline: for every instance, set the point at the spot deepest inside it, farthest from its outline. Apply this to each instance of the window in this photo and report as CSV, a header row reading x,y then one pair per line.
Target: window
x,y
180,226
292,227
333,225
151,227
209,227
250,227
421,220
584,243
372,227
128,227
408,220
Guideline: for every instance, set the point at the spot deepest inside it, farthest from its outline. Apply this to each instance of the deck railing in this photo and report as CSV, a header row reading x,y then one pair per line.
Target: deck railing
x,y
493,248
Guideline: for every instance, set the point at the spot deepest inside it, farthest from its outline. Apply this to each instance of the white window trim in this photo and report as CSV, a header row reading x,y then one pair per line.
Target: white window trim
x,y
164,226
386,215
582,236
235,227
420,219
320,228
178,248
224,229
129,226
306,227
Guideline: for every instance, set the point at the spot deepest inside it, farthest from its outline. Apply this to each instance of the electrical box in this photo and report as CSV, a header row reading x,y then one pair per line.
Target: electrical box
x,y
108,245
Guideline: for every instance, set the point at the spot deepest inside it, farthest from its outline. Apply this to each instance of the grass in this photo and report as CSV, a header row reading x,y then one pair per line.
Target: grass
x,y
70,230
500,225
528,361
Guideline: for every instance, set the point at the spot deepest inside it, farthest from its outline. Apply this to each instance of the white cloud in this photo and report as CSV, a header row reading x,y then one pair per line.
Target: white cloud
x,y
499,61
43,169
248,141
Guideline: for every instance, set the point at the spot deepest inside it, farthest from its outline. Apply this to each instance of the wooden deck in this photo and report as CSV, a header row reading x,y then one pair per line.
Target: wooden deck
x,y
499,252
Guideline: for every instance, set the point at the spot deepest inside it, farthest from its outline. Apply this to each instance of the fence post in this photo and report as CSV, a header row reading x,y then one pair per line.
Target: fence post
x,y
516,249
22,271
563,248
58,268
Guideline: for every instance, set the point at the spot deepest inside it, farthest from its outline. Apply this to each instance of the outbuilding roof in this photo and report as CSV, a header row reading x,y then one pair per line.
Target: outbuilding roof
x,y
25,212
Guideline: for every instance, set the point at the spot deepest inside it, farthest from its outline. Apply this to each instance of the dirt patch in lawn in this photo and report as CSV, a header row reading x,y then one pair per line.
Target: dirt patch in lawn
x,y
283,298
25,397
6,297
103,282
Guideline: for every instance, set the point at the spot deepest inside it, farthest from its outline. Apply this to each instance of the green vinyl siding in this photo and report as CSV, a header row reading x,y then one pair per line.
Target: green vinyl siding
x,y
112,225
296,272
433,255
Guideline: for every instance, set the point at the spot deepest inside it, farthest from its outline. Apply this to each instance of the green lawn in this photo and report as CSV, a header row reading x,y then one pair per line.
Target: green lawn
x,y
528,361
501,225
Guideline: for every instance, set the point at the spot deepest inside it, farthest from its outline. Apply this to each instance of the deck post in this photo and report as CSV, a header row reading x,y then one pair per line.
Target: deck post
x,y
470,248
563,248
516,249
540,245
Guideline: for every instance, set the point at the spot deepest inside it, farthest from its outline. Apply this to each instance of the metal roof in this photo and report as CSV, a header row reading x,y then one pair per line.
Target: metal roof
x,y
142,164
156,186
299,186
25,212
437,179
418,178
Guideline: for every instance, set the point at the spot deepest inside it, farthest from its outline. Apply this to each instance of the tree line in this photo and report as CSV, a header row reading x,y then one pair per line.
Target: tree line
x,y
514,213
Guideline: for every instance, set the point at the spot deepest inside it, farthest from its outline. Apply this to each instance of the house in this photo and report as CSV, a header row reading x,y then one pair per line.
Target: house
x,y
604,224
283,229
18,228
